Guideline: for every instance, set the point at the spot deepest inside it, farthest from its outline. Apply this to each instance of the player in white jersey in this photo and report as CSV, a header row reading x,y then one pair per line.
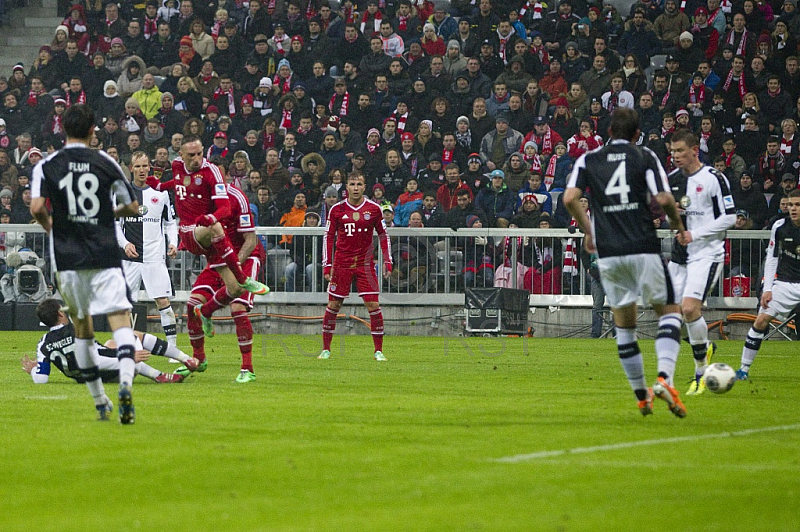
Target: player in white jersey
x,y
708,207
142,239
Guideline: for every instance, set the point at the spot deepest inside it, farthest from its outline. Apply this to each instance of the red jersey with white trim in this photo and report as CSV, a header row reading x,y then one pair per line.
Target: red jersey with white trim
x,y
196,193
241,219
352,229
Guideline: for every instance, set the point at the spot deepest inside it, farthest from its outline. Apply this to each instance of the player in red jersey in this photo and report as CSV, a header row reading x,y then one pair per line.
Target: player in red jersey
x,y
201,201
351,223
209,293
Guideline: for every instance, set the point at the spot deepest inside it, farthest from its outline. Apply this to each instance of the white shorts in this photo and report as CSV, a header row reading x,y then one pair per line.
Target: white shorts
x,y
627,277
156,279
785,297
695,279
91,292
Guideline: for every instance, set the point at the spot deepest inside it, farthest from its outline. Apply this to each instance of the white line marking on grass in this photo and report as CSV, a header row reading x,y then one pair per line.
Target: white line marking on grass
x,y
46,397
643,443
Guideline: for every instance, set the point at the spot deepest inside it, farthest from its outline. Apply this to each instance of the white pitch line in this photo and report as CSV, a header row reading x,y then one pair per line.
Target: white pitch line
x,y
46,397
642,443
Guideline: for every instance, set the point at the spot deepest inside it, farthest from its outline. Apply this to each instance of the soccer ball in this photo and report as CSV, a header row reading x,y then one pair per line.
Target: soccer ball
x,y
720,377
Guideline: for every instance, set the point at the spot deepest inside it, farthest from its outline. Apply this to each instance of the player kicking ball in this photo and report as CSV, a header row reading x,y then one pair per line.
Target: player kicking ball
x,y
209,294
351,225
57,348
781,292
201,201
623,178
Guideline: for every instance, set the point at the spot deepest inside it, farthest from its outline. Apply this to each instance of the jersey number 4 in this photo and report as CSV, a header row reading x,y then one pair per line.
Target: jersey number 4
x,y
87,200
618,184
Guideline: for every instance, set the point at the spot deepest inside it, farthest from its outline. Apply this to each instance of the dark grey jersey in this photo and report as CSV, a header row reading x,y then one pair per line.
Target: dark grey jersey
x,y
622,179
783,254
79,183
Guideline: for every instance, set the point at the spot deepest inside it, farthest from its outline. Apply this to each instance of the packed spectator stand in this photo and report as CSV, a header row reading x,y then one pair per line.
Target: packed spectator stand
x,y
467,113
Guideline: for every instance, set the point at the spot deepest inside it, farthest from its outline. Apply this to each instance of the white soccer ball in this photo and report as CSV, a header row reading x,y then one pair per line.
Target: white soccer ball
x,y
720,377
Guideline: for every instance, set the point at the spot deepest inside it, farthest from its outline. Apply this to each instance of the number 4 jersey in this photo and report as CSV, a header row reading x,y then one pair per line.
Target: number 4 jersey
x,y
622,179
79,184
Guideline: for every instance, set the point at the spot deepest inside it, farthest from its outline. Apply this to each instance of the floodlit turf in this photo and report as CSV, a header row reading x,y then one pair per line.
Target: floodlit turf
x,y
409,444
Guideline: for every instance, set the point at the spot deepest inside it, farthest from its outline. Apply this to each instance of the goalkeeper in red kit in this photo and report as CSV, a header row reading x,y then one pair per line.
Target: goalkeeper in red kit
x,y
201,201
351,225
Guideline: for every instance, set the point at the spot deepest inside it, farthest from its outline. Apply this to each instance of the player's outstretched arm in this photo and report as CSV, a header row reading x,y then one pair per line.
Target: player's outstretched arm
x,y
667,202
40,213
153,182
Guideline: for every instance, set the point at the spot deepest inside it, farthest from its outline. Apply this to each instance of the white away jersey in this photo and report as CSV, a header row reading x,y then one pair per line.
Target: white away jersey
x,y
146,231
710,211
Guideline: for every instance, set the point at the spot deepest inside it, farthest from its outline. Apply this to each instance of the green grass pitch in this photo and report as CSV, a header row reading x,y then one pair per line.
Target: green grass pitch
x,y
410,444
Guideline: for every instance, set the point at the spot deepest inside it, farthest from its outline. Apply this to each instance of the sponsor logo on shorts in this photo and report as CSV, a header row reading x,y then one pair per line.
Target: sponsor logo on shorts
x,y
332,287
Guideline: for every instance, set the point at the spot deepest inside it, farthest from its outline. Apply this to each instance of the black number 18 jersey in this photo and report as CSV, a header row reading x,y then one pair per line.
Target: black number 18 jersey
x,y
80,182
622,180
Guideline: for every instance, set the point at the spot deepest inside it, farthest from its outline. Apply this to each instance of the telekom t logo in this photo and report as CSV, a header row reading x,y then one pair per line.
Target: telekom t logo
x,y
350,228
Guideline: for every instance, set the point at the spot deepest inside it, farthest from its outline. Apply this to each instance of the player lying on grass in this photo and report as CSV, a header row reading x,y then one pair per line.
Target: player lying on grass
x,y
57,347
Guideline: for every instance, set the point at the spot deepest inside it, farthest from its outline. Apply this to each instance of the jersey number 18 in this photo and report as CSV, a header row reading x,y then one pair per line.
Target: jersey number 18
x,y
87,194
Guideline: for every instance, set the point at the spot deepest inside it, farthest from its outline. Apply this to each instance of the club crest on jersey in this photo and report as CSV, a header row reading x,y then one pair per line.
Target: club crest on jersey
x,y
198,180
356,216
154,200
142,210
187,180
367,216
699,189
219,189
686,201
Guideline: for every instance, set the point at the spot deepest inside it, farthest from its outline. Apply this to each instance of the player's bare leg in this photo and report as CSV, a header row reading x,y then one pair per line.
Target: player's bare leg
x,y
214,238
329,325
120,324
376,327
168,321
87,359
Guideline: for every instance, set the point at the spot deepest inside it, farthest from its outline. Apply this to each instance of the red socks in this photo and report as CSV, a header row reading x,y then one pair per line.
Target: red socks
x,y
328,328
244,332
222,298
222,247
195,327
376,325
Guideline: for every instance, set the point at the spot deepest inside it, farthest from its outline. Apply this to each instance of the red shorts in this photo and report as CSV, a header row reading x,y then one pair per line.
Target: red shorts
x,y
189,242
366,282
209,281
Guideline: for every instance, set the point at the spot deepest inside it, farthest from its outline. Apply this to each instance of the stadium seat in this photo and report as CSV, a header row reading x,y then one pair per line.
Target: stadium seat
x,y
159,80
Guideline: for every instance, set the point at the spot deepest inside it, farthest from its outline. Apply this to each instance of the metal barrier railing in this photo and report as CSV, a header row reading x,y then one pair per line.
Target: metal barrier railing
x,y
431,265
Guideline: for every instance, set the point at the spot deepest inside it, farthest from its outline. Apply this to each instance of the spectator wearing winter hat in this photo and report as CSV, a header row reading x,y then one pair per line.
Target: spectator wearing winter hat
x,y
44,67
171,121
689,55
189,57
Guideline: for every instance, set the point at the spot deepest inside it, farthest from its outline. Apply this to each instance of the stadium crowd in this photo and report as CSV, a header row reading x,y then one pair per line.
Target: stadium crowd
x,y
468,113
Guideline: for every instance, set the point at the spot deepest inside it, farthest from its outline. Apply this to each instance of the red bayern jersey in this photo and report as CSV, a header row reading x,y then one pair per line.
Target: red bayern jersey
x,y
197,193
241,219
352,229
